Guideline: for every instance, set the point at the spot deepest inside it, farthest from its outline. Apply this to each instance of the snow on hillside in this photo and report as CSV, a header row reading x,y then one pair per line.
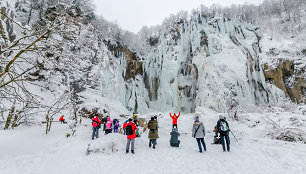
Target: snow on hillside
x,y
29,150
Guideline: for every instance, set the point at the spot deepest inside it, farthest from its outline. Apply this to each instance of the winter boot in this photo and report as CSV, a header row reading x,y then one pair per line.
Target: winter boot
x,y
127,151
133,152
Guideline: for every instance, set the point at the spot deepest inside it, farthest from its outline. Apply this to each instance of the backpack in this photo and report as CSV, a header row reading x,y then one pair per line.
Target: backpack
x,y
129,130
223,126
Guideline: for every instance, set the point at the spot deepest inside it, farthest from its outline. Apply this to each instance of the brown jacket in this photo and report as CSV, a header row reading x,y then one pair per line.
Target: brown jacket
x,y
153,133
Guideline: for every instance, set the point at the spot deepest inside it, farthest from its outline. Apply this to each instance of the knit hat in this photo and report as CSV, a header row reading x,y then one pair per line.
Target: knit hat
x,y
196,119
221,116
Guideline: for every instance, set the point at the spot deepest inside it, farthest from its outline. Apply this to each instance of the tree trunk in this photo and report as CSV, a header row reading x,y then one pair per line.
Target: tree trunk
x,y
15,121
9,117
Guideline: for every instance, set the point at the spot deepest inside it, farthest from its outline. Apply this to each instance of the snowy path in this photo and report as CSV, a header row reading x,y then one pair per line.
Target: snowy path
x,y
29,151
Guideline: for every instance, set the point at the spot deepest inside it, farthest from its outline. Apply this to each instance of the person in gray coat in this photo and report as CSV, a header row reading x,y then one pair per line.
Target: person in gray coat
x,y
198,132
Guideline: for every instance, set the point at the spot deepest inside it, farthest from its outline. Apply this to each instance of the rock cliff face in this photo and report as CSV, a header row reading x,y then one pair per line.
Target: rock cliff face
x,y
288,78
133,65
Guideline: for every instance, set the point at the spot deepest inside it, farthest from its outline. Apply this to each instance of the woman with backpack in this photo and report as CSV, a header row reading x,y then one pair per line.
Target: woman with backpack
x,y
198,132
223,129
153,133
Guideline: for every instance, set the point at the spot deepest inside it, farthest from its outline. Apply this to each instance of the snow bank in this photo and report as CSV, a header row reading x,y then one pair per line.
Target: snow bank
x,y
108,144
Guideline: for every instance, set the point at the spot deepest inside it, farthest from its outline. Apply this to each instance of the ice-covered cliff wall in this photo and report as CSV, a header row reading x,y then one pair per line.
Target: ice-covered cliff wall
x,y
199,62
204,61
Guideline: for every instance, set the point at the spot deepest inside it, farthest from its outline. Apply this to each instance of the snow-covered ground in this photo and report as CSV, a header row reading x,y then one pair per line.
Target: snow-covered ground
x,y
27,150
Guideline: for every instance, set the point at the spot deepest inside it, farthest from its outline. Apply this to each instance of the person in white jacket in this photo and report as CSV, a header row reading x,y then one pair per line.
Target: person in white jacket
x,y
198,132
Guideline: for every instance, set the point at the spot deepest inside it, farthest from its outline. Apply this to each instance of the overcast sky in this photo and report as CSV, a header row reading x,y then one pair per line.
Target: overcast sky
x,y
133,14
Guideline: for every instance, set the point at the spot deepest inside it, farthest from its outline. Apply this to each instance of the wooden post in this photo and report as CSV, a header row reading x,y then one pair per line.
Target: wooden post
x,y
50,124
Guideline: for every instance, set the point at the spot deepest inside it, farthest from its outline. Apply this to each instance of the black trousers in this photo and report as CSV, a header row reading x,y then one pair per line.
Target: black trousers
x,y
174,125
201,140
152,141
225,137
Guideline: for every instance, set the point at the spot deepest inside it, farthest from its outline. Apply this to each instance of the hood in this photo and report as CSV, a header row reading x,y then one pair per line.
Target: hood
x,y
198,123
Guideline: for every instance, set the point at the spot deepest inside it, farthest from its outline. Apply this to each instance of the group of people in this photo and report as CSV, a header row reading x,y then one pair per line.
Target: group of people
x,y
221,133
131,131
109,126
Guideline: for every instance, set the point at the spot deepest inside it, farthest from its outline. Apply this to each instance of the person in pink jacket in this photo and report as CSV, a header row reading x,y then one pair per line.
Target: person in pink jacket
x,y
108,125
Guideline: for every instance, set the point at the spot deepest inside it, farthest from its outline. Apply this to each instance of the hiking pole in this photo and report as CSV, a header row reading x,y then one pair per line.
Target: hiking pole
x,y
233,135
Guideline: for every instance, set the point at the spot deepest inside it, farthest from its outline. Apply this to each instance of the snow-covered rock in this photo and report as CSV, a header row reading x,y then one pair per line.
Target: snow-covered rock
x,y
108,144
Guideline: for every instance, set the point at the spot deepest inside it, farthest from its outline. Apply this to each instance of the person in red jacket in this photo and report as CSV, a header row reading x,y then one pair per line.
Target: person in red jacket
x,y
174,119
95,126
62,120
131,135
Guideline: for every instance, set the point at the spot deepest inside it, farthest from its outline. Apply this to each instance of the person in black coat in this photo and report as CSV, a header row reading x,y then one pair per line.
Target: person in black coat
x,y
174,141
104,120
223,129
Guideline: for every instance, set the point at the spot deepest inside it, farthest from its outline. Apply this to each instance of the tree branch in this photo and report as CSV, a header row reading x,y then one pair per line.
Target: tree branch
x,y
22,51
13,79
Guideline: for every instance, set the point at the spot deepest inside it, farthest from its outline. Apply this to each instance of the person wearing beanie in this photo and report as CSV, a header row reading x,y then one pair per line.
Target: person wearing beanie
x,y
198,132
222,128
